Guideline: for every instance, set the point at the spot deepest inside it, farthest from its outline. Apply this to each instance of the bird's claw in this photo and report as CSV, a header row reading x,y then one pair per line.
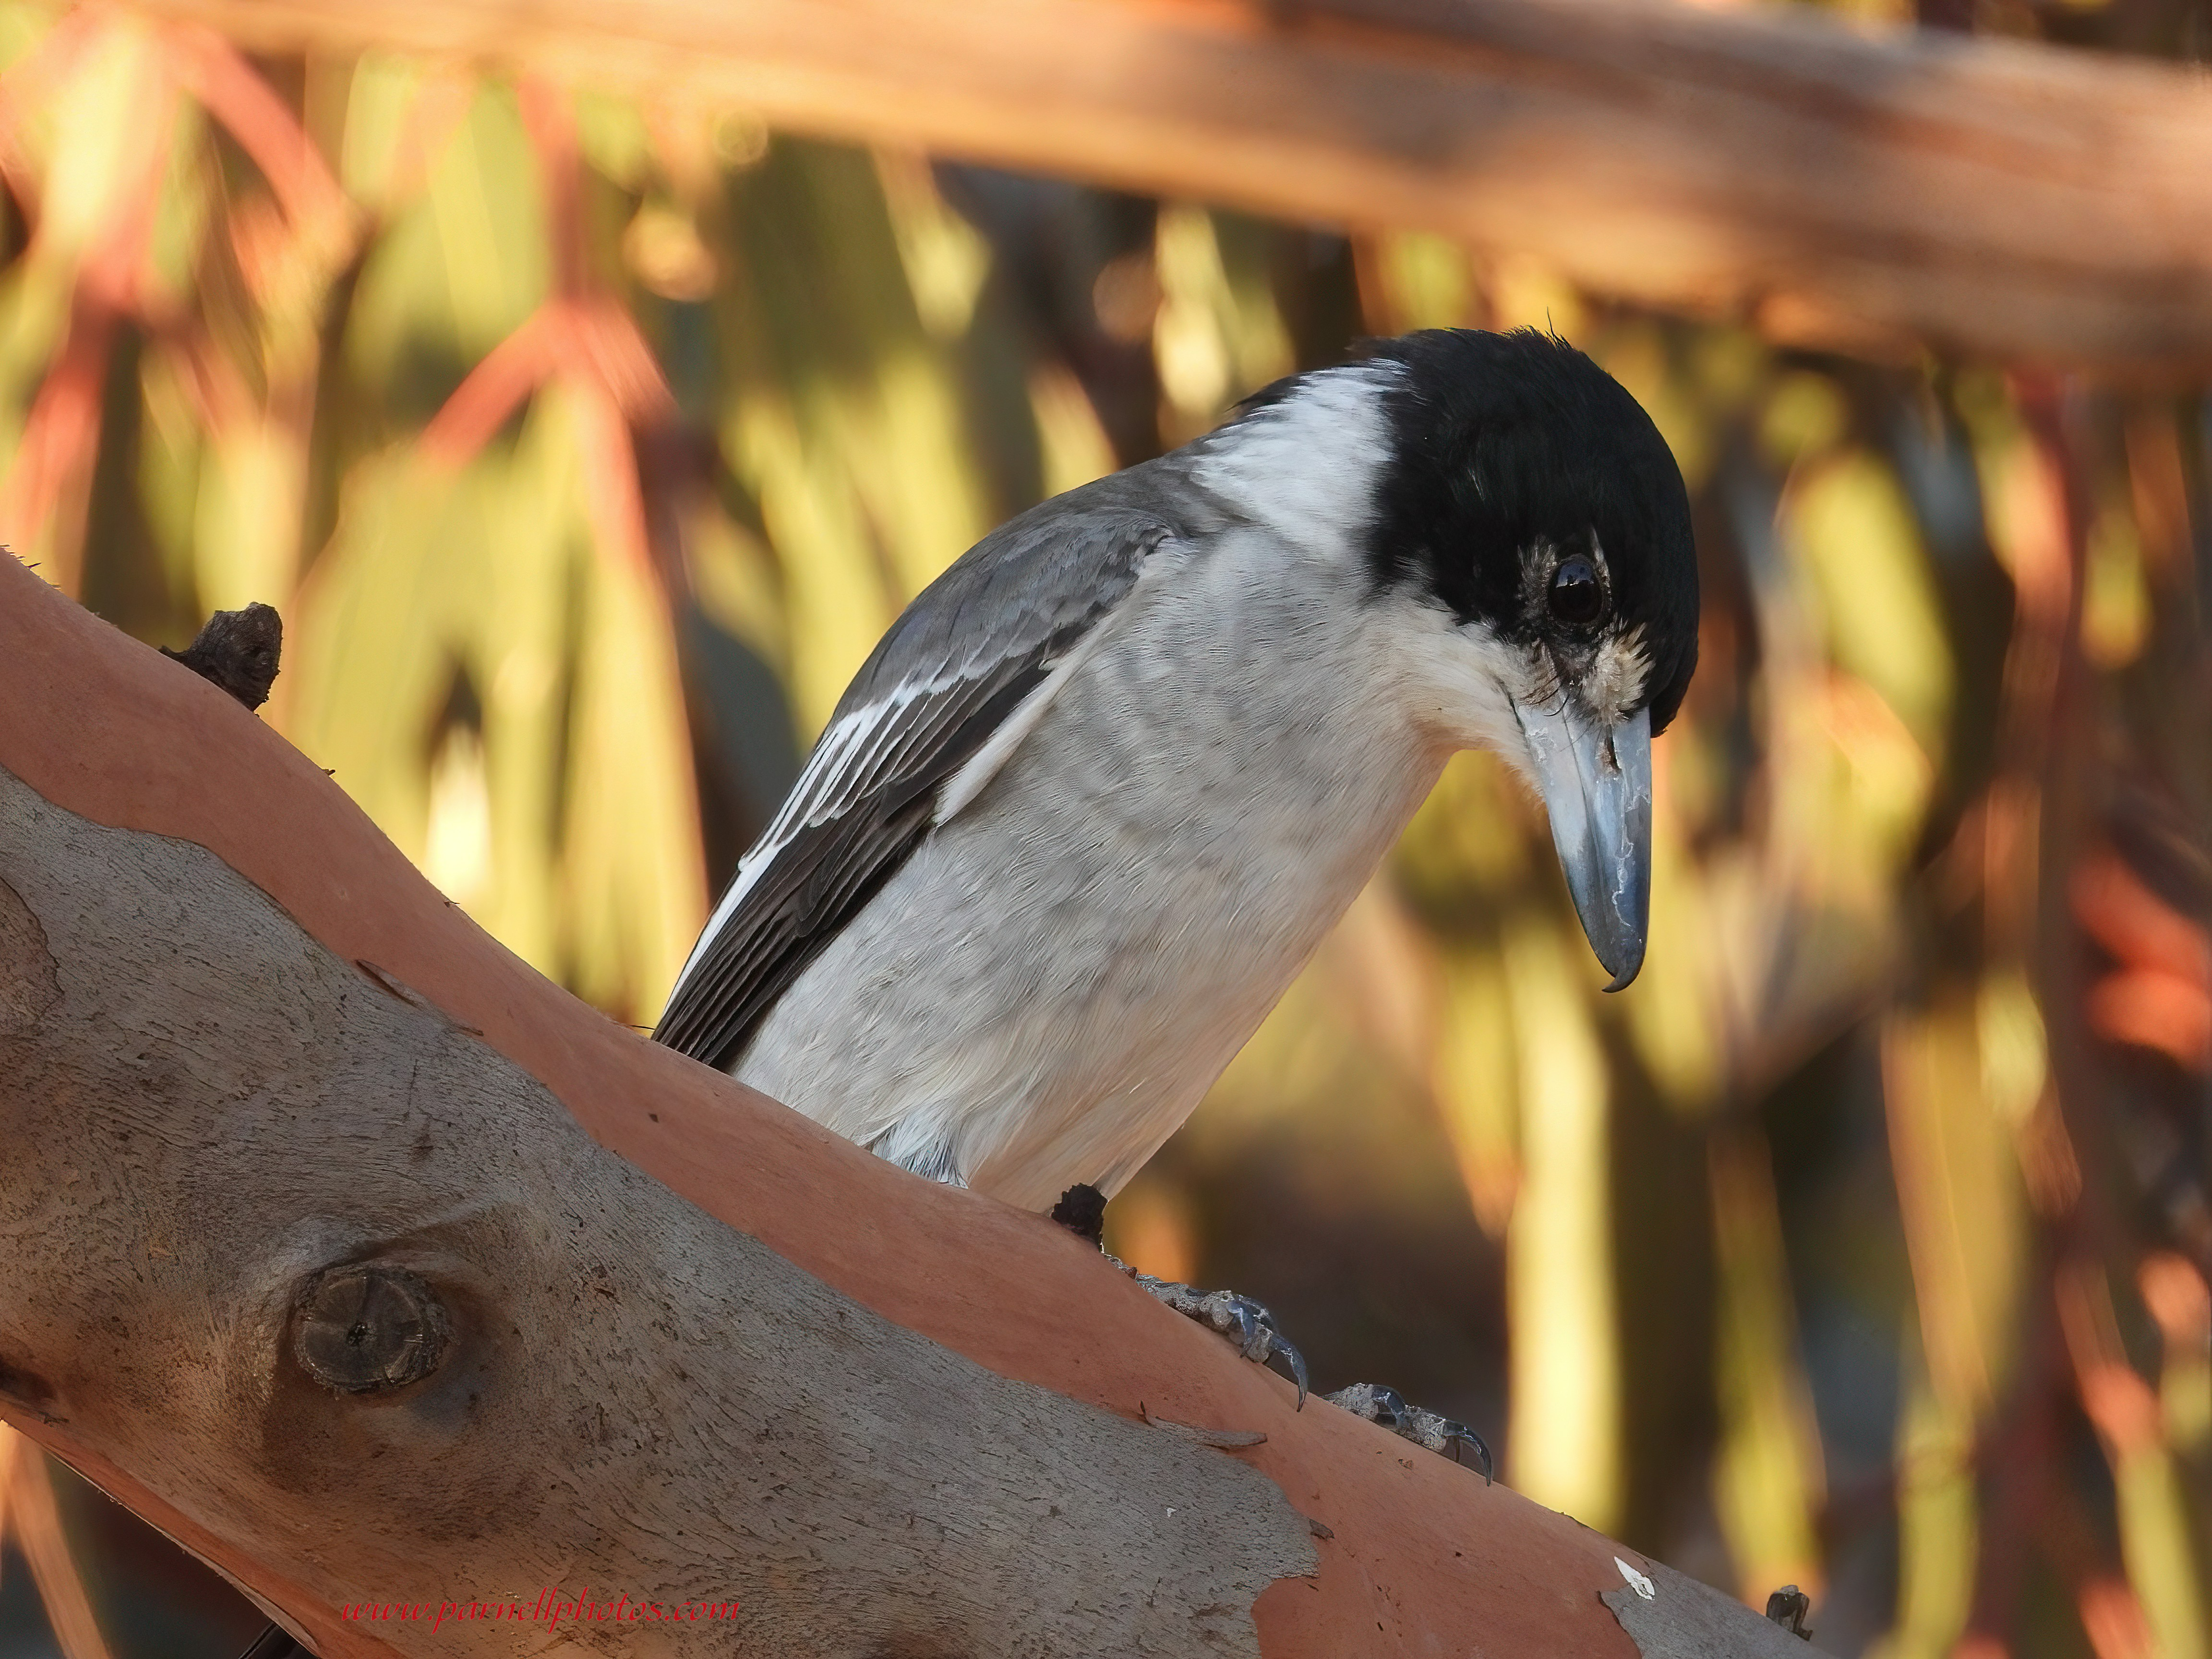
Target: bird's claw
x,y
1082,1211
1241,1319
1388,1408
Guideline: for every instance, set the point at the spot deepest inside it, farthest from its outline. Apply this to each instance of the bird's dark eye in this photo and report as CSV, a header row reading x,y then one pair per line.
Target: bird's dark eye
x,y
1577,597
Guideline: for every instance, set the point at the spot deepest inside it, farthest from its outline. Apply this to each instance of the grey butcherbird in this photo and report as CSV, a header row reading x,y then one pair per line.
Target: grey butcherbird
x,y
1104,788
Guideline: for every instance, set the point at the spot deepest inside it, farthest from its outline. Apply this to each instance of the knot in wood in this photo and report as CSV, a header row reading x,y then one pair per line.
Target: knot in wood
x,y
367,1327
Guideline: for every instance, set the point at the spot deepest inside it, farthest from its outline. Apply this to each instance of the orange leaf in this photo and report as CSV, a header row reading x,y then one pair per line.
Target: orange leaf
x,y
2149,1008
2121,1406
60,435
611,497
2113,1620
612,353
2139,928
228,87
496,386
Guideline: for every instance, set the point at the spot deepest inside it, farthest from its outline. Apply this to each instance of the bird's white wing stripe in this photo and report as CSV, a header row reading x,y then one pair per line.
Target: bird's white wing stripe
x,y
846,752
884,728
822,773
964,785
985,631
970,781
839,772
843,763
823,769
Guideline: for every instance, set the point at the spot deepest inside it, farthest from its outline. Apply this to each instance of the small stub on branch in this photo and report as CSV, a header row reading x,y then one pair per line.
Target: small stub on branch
x,y
1082,1211
1790,1608
366,1327
238,650
1671,1616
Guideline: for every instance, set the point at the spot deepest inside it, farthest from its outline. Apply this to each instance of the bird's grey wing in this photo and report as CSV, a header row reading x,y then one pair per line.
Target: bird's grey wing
x,y
960,661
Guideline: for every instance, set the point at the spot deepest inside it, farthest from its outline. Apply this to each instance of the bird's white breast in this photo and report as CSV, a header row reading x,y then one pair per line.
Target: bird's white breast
x,y
1047,987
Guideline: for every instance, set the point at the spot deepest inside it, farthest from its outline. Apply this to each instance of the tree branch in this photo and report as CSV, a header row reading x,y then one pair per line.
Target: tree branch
x,y
337,1249
1838,187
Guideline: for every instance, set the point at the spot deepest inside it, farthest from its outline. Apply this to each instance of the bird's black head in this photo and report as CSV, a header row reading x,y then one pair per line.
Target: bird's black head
x,y
1528,492
1532,499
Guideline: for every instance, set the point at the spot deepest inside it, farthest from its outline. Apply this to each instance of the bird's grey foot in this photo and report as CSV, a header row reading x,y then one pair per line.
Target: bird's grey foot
x,y
1388,1407
1239,1318
1082,1211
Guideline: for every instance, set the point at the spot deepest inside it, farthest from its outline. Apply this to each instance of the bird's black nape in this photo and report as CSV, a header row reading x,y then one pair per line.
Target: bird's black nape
x,y
1506,442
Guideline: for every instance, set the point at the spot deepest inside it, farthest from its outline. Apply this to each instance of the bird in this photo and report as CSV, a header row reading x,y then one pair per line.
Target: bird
x,y
1104,788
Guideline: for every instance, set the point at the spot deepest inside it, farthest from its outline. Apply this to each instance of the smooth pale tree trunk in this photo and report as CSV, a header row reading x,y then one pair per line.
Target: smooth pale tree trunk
x,y
375,1269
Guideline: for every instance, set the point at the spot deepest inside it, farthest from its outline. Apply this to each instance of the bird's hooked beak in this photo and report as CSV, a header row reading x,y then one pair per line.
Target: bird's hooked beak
x,y
1596,783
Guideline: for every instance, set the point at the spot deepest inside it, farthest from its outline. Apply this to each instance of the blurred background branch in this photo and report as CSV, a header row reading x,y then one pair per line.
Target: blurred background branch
x,y
1845,188
589,426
